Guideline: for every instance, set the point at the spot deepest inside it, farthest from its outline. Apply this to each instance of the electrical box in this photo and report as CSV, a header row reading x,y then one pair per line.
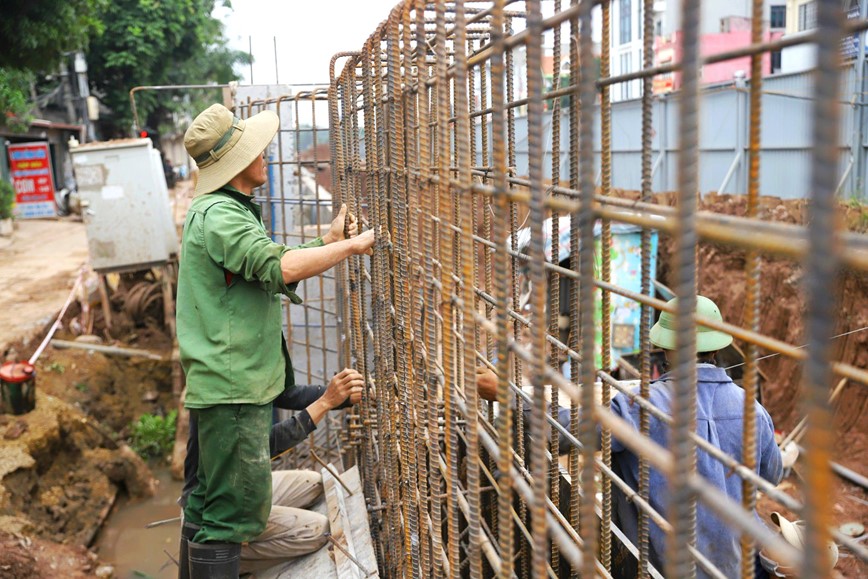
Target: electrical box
x,y
125,205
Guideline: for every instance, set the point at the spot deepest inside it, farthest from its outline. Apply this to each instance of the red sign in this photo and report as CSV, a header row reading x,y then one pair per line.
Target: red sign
x,y
30,166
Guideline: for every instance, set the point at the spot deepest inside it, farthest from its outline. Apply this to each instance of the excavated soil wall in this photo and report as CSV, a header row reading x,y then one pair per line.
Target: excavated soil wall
x,y
721,277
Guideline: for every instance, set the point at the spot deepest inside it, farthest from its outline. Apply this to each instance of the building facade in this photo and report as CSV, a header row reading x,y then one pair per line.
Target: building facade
x,y
724,25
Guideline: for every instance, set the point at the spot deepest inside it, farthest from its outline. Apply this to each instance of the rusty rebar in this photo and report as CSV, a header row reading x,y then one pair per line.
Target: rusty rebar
x,y
428,120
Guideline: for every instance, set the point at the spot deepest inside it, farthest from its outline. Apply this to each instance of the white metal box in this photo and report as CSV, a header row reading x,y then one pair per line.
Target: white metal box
x,y
125,204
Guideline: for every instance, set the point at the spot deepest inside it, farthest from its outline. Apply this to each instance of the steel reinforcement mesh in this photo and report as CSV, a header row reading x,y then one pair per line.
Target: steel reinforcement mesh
x,y
297,208
475,169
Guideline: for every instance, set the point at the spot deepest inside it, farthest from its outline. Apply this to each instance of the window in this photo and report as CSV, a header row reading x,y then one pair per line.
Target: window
x,y
778,17
808,15
776,62
626,68
626,29
640,24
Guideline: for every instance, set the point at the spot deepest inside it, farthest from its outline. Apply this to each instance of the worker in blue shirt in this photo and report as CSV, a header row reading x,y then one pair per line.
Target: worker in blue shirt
x,y
719,419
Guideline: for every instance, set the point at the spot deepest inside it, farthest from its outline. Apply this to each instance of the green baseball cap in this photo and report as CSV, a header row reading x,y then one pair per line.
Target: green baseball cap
x,y
707,340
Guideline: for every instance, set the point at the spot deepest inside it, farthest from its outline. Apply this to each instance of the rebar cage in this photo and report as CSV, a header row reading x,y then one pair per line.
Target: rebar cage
x,y
296,209
423,148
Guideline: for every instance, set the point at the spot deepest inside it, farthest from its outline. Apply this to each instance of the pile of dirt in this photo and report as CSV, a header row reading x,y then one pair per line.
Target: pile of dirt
x,y
60,472
114,391
721,277
63,465
34,558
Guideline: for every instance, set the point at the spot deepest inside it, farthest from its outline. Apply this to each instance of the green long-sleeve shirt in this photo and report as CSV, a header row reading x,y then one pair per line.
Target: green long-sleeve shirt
x,y
228,305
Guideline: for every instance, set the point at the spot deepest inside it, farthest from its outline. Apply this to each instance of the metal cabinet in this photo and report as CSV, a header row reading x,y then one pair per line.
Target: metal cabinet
x,y
125,204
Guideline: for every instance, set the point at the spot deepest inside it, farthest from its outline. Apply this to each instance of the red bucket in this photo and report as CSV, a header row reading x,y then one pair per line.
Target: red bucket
x,y
17,387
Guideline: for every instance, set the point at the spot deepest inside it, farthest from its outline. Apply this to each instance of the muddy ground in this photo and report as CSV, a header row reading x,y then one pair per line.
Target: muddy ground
x,y
63,465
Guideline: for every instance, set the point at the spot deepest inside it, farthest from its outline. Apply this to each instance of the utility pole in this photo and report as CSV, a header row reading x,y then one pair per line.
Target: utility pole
x,y
80,67
857,148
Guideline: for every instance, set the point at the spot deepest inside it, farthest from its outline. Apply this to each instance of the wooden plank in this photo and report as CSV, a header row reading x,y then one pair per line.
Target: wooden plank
x,y
341,531
357,511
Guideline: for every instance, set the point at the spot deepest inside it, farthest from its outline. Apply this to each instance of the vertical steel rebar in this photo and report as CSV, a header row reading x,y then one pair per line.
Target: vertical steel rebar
x,y
587,428
821,271
429,144
752,291
501,277
447,303
606,271
575,259
682,499
554,293
464,161
645,311
539,521
401,269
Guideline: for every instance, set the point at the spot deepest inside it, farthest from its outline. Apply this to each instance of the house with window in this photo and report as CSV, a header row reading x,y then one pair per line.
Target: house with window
x,y
723,26
626,46
801,19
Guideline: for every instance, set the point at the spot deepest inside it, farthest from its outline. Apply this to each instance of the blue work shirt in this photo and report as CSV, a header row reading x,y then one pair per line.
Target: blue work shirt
x,y
719,419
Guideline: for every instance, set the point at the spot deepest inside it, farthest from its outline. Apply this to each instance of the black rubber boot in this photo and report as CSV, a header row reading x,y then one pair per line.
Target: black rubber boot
x,y
214,560
188,531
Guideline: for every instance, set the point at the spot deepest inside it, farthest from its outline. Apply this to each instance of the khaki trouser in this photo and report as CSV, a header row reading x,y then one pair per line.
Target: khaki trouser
x,y
291,531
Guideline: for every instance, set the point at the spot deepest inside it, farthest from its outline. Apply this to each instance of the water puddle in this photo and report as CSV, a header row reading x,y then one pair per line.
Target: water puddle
x,y
137,552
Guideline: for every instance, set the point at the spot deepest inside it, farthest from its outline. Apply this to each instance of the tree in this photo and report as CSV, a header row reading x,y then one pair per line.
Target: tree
x,y
157,42
14,101
34,35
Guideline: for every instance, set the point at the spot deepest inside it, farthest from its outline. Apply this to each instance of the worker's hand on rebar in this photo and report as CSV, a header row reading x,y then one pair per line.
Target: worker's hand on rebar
x,y
486,383
352,226
346,384
364,243
344,226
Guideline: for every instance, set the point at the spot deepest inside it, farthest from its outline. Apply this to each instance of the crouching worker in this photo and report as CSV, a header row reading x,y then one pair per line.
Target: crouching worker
x,y
230,280
291,531
719,419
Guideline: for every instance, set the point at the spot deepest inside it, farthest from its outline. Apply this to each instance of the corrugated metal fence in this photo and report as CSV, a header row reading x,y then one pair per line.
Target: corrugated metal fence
x,y
724,124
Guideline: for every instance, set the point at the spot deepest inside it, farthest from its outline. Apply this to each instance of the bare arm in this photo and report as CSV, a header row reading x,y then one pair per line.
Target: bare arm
x,y
300,264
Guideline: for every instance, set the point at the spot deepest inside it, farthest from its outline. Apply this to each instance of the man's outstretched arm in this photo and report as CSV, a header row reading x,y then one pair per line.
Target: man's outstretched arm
x,y
346,385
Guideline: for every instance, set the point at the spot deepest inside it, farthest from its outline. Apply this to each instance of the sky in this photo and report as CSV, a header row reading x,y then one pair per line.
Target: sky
x,y
307,33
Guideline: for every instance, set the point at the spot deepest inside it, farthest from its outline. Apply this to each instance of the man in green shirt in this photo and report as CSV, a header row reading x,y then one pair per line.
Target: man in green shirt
x,y
233,352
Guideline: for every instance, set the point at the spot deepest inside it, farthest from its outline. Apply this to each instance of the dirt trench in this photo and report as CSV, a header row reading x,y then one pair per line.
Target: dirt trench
x,y
63,465
721,277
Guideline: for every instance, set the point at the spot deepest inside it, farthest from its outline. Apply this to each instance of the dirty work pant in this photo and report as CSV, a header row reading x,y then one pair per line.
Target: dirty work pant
x,y
233,498
291,531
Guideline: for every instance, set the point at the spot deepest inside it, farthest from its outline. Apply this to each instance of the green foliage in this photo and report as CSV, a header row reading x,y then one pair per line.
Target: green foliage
x,y
153,436
157,42
15,99
7,199
57,367
34,34
81,387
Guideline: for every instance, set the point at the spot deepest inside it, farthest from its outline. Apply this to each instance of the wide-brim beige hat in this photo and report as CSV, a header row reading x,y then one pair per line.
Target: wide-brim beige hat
x,y
222,145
